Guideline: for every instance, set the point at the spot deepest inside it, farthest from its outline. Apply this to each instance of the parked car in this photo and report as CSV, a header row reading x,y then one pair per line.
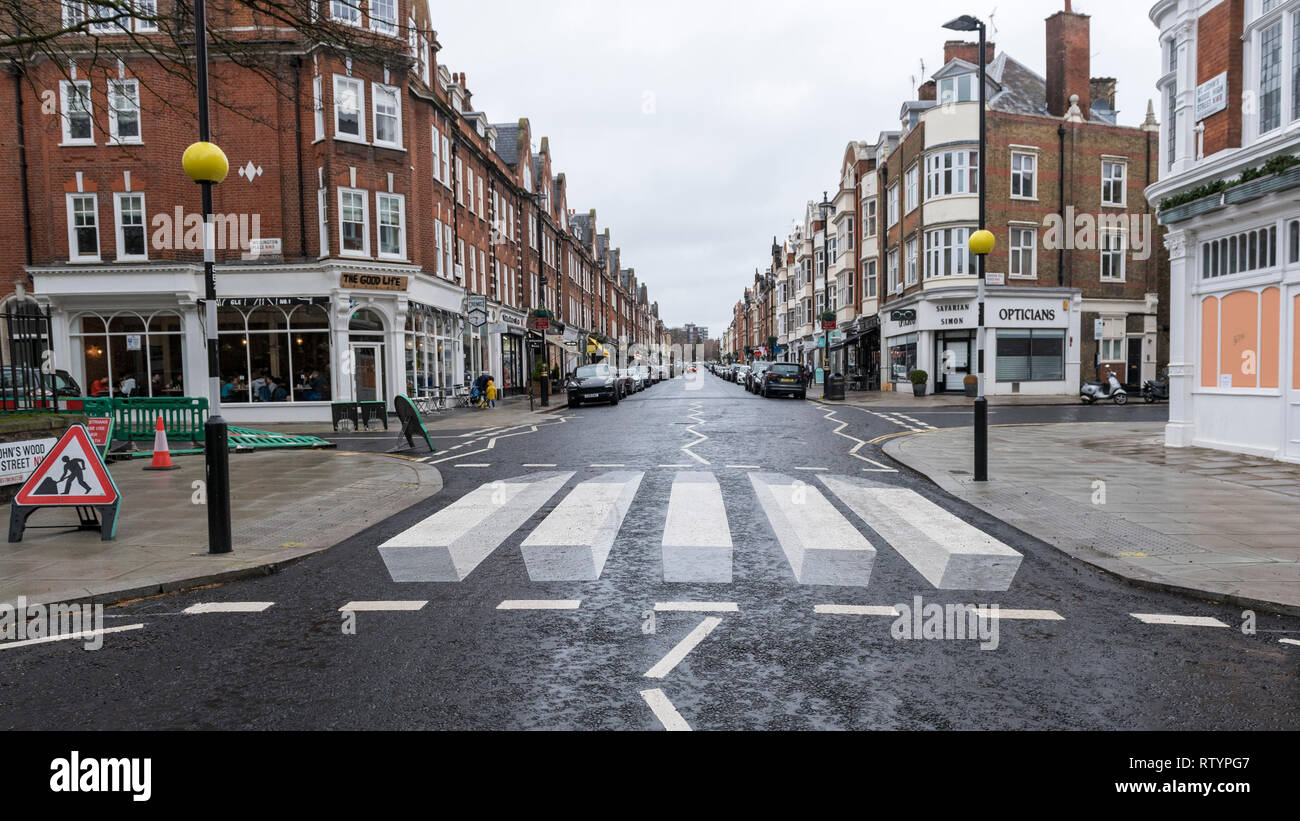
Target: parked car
x,y
754,379
784,378
633,385
739,373
593,383
644,375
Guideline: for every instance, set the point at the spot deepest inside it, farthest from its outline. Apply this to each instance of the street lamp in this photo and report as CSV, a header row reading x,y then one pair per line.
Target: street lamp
x,y
207,165
981,244
826,210
538,200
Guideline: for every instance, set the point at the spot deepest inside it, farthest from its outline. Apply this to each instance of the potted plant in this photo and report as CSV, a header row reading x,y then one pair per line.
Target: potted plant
x,y
971,383
919,378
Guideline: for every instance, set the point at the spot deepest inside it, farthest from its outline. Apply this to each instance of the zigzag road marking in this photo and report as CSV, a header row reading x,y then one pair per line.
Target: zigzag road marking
x,y
858,445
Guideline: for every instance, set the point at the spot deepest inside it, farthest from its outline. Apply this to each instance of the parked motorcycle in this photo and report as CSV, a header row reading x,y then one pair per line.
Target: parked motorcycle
x,y
1153,391
1112,390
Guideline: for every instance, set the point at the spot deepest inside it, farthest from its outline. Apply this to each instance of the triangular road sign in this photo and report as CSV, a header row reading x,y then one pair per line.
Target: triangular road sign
x,y
72,474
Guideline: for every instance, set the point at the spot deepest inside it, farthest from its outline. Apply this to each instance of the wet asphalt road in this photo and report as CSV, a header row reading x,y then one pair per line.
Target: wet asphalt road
x,y
459,663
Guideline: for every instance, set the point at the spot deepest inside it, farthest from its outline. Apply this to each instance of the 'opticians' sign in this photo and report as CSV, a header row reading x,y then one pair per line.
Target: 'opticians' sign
x,y
373,282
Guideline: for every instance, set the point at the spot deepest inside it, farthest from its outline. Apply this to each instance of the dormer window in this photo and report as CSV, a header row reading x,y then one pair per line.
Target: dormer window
x,y
960,89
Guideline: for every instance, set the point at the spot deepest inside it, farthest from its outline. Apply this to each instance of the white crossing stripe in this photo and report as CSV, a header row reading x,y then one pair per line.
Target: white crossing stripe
x,y
540,604
84,634
1182,621
812,469
1020,615
856,610
685,646
697,540
821,545
696,607
949,553
447,546
574,541
228,607
665,711
382,606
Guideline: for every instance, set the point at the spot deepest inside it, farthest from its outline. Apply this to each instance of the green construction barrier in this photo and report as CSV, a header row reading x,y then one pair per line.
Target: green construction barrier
x,y
249,438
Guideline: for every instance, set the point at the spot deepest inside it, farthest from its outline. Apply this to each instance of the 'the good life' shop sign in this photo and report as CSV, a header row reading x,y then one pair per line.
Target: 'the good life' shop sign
x,y
19,459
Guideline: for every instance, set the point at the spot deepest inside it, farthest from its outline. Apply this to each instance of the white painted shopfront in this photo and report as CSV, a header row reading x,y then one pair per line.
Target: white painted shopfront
x,y
293,338
1032,340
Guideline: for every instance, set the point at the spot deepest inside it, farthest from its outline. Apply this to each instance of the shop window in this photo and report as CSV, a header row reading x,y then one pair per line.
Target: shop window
x,y
1240,338
129,354
1030,355
902,357
273,353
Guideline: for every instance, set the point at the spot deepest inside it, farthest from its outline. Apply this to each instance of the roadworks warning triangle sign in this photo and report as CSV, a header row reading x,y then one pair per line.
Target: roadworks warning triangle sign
x,y
72,474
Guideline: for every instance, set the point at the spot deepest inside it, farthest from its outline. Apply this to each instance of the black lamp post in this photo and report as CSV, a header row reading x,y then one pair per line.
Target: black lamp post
x,y
541,280
207,165
981,244
826,210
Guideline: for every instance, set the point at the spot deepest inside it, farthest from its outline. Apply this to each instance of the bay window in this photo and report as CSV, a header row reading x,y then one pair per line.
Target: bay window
x,y
950,173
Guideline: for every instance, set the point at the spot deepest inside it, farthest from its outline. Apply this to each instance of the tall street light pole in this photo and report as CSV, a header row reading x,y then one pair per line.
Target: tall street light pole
x,y
826,209
207,165
981,244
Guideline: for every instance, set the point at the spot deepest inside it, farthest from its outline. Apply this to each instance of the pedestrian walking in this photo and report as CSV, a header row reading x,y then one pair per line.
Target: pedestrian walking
x,y
491,393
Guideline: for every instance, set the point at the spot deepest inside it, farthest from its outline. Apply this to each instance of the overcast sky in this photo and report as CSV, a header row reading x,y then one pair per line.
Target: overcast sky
x,y
699,129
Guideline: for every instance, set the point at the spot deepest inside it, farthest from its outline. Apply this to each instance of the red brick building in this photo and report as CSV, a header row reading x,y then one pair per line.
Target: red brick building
x,y
377,233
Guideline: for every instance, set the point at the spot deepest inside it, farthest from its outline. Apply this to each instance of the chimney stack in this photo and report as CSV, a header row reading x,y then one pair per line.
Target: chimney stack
x,y
464,83
970,52
1103,88
927,91
1069,61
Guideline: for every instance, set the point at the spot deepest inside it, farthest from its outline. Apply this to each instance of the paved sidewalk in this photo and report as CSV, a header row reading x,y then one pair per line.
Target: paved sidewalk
x,y
906,399
285,505
1198,521
507,413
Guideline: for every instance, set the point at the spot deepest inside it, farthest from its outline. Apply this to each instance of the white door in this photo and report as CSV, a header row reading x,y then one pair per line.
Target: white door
x,y
367,372
955,362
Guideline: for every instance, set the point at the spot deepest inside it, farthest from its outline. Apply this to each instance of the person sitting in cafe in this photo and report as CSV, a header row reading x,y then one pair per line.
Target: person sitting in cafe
x,y
278,392
260,387
99,387
315,387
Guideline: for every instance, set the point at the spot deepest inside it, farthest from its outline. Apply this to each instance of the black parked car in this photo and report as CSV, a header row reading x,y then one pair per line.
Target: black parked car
x,y
594,383
784,378
754,379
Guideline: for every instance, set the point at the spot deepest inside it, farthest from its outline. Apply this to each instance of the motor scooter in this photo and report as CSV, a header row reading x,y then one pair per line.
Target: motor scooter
x,y
1112,390
1153,391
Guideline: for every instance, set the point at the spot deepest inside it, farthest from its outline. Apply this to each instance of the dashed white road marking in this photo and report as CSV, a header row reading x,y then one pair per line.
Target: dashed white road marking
x,y
84,634
382,606
665,711
696,607
1183,621
744,467
1290,641
540,604
540,466
607,466
677,467
685,646
228,607
1021,615
812,469
856,610
473,466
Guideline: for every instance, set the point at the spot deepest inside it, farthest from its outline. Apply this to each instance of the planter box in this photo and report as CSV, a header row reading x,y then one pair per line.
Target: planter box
x,y
1263,186
973,391
1192,209
918,390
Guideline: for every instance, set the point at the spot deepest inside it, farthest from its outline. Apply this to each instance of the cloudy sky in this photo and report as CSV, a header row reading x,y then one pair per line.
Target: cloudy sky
x,y
698,129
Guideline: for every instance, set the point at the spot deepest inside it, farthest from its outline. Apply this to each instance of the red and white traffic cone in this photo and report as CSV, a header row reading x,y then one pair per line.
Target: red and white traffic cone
x,y
162,455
